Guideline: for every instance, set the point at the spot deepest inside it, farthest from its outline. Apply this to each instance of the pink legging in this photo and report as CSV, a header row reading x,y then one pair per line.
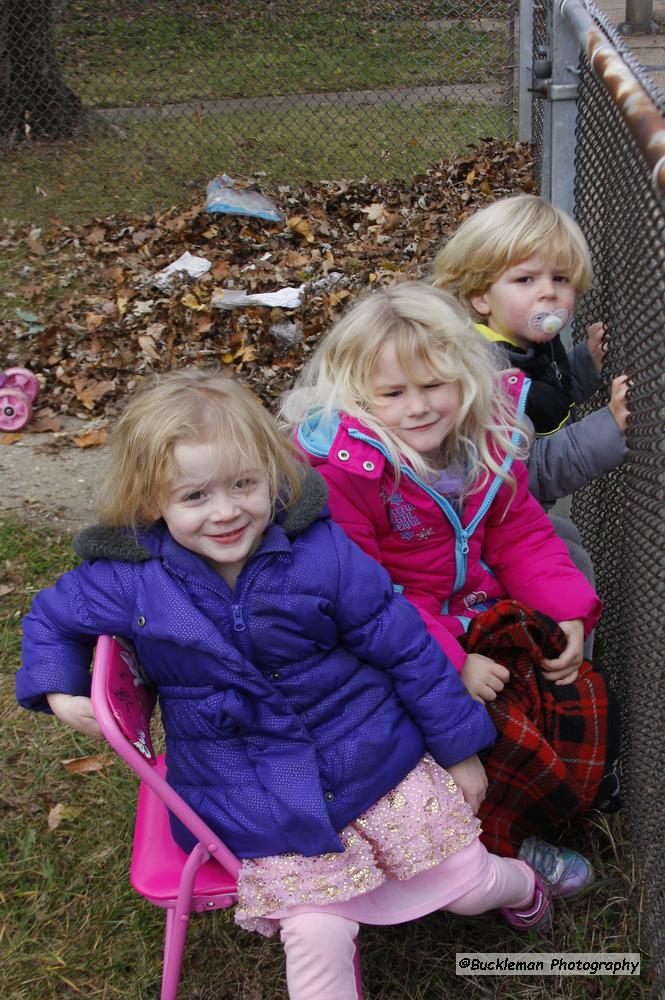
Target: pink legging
x,y
320,946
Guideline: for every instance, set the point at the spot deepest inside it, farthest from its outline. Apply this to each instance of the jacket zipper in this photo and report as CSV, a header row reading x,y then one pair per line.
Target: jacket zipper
x,y
461,535
557,371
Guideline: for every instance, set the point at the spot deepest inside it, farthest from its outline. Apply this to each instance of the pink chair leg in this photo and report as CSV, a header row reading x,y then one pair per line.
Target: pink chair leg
x,y
177,922
358,971
169,990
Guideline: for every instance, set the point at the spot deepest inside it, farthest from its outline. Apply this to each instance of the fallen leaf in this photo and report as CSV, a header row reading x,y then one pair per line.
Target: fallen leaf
x,y
190,300
34,243
294,258
88,391
44,424
299,225
202,323
84,765
148,347
375,212
220,270
91,438
6,588
96,236
61,812
10,438
143,308
245,354
93,320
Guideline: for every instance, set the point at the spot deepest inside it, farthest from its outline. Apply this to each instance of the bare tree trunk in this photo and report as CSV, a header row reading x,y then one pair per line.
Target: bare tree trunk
x,y
34,98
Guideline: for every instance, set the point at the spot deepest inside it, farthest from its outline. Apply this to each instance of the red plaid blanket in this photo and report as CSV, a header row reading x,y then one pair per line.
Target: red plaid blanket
x,y
557,745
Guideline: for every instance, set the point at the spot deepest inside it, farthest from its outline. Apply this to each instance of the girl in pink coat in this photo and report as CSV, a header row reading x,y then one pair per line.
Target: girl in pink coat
x,y
420,441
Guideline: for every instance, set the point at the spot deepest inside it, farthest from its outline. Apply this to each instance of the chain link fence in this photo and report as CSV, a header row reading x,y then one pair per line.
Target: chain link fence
x,y
620,208
297,91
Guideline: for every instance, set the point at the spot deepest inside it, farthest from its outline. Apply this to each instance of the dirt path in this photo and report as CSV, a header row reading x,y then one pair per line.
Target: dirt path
x,y
50,483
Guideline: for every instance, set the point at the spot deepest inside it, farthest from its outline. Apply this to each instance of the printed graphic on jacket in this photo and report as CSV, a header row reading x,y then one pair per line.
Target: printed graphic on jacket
x,y
403,518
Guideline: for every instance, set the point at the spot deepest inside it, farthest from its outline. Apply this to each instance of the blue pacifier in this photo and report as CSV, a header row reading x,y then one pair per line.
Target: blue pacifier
x,y
547,322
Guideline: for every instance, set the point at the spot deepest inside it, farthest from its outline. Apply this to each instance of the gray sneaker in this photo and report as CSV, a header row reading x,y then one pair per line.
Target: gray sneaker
x,y
565,871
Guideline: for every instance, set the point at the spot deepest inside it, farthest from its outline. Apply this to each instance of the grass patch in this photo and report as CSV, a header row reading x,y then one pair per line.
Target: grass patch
x,y
156,54
159,160
72,926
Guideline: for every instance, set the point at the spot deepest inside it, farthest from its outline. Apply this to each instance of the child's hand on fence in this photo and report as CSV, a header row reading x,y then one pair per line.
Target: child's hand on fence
x,y
618,404
470,776
565,668
596,344
483,678
75,711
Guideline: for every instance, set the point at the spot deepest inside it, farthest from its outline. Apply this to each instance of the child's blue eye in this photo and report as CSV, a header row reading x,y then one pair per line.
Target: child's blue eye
x,y
392,395
195,495
244,484
562,277
524,279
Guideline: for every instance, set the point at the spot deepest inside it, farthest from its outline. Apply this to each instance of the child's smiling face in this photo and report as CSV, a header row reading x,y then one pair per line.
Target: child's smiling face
x,y
418,409
532,287
218,512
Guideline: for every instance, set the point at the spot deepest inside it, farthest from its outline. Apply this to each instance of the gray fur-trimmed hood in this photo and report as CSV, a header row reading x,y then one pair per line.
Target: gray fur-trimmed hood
x,y
100,542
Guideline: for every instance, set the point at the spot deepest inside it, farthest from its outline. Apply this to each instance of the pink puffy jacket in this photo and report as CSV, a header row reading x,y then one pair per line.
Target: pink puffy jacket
x,y
447,565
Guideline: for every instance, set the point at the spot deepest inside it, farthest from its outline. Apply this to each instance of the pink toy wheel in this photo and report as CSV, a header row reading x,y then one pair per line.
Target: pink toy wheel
x,y
23,379
15,409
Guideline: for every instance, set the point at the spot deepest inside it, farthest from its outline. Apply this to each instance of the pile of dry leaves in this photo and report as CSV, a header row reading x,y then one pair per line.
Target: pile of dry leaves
x,y
97,323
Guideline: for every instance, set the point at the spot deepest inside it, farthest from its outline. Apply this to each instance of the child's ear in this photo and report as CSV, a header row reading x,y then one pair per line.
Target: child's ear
x,y
480,304
150,513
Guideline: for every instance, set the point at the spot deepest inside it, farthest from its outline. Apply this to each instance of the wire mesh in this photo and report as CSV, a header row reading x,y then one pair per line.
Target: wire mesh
x,y
621,516
540,39
312,90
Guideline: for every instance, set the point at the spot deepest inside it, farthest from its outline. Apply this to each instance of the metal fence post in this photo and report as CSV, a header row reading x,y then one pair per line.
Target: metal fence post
x,y
525,71
558,71
639,18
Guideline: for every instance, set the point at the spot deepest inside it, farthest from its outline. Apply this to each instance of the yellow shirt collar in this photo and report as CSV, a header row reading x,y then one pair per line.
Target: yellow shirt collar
x,y
490,334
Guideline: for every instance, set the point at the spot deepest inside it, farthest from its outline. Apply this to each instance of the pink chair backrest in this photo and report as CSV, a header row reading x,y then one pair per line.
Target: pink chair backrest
x,y
130,699
123,705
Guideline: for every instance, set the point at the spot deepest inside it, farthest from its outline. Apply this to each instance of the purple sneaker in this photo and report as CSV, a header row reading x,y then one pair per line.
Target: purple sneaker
x,y
565,872
537,916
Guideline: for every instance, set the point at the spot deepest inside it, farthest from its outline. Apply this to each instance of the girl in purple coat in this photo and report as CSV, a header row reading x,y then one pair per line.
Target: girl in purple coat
x,y
309,717
419,438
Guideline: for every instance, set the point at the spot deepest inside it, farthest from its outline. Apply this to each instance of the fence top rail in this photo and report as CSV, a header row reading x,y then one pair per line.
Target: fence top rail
x,y
642,116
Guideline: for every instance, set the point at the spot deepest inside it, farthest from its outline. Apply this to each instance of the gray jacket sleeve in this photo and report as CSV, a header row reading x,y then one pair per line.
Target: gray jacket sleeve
x,y
567,460
584,374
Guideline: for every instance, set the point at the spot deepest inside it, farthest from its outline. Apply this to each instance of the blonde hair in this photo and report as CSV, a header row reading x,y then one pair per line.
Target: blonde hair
x,y
191,405
505,234
427,326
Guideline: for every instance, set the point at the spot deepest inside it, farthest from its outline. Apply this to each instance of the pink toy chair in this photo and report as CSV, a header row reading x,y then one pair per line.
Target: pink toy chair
x,y
160,870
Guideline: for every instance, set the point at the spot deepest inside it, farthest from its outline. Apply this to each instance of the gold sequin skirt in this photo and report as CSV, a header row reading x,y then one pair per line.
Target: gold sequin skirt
x,y
411,829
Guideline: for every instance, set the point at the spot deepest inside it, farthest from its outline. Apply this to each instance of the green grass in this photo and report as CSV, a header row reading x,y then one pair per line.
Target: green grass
x,y
120,53
72,927
162,163
160,54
